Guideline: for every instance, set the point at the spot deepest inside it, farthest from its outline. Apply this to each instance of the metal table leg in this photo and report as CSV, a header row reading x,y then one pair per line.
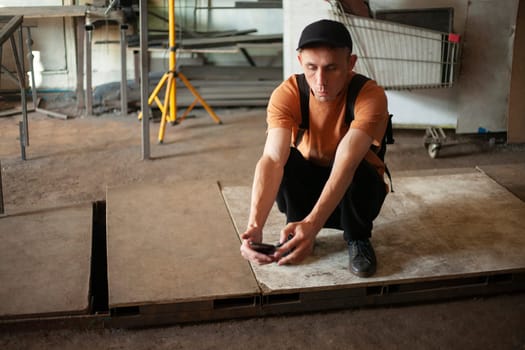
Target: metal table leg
x,y
1,192
124,78
89,87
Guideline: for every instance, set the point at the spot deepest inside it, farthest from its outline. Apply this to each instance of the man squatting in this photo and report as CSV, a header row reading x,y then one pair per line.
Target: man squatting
x,y
328,175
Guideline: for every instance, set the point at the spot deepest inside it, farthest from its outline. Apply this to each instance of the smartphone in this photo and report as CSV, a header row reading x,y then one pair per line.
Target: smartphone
x,y
263,248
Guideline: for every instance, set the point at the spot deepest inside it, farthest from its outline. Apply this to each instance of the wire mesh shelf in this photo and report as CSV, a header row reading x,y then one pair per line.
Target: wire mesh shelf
x,y
400,56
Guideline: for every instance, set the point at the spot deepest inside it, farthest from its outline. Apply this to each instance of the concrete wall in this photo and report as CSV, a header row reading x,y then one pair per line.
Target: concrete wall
x,y
484,84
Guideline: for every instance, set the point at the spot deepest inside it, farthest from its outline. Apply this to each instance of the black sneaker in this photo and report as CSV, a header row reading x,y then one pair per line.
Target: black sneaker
x,y
362,258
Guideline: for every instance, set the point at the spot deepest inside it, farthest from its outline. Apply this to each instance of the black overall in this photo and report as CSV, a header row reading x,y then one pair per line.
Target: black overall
x,y
303,181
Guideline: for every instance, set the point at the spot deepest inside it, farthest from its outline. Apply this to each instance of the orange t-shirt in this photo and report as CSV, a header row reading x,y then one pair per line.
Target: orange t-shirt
x,y
327,120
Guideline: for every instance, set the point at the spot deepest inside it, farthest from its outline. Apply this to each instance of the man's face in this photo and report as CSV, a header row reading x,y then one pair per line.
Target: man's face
x,y
326,70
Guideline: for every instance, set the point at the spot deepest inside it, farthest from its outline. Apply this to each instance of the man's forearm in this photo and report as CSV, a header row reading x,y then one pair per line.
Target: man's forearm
x,y
266,182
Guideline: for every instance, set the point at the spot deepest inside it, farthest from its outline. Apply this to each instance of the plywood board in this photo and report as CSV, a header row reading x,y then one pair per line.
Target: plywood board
x,y
431,228
173,243
516,122
509,176
45,262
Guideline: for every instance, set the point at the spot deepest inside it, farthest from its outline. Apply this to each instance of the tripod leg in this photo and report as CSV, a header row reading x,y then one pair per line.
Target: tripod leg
x,y
162,128
173,102
199,97
159,104
188,110
156,91
154,95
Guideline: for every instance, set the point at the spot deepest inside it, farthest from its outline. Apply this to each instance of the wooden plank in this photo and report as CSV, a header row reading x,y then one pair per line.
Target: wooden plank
x,y
45,262
230,40
44,11
431,228
209,42
181,248
224,95
14,111
259,4
227,73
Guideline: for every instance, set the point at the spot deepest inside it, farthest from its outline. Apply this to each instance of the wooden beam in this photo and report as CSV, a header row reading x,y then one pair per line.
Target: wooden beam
x,y
231,40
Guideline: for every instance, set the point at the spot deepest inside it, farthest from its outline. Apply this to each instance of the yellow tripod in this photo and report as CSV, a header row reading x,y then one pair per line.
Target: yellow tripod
x,y
170,79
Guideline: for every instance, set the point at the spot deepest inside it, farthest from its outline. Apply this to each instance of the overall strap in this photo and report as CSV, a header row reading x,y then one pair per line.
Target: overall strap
x,y
304,99
304,96
357,82
354,87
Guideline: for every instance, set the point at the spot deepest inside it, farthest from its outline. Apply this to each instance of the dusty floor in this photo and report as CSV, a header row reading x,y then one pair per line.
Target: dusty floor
x,y
75,160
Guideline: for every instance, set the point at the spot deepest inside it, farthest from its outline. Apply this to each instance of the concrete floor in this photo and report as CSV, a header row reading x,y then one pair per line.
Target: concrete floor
x,y
74,161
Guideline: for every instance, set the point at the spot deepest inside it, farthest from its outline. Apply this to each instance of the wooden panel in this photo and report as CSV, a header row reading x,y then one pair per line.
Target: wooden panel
x,y
431,228
516,121
172,243
45,262
509,176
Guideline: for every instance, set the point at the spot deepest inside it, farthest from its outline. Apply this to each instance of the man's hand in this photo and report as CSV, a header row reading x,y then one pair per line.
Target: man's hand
x,y
254,234
300,246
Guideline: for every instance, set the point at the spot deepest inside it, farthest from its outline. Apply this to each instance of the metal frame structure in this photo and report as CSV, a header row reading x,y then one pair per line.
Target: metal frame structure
x,y
144,79
7,32
2,210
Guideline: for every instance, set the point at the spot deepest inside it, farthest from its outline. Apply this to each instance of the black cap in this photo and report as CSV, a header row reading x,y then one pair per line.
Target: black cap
x,y
325,32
